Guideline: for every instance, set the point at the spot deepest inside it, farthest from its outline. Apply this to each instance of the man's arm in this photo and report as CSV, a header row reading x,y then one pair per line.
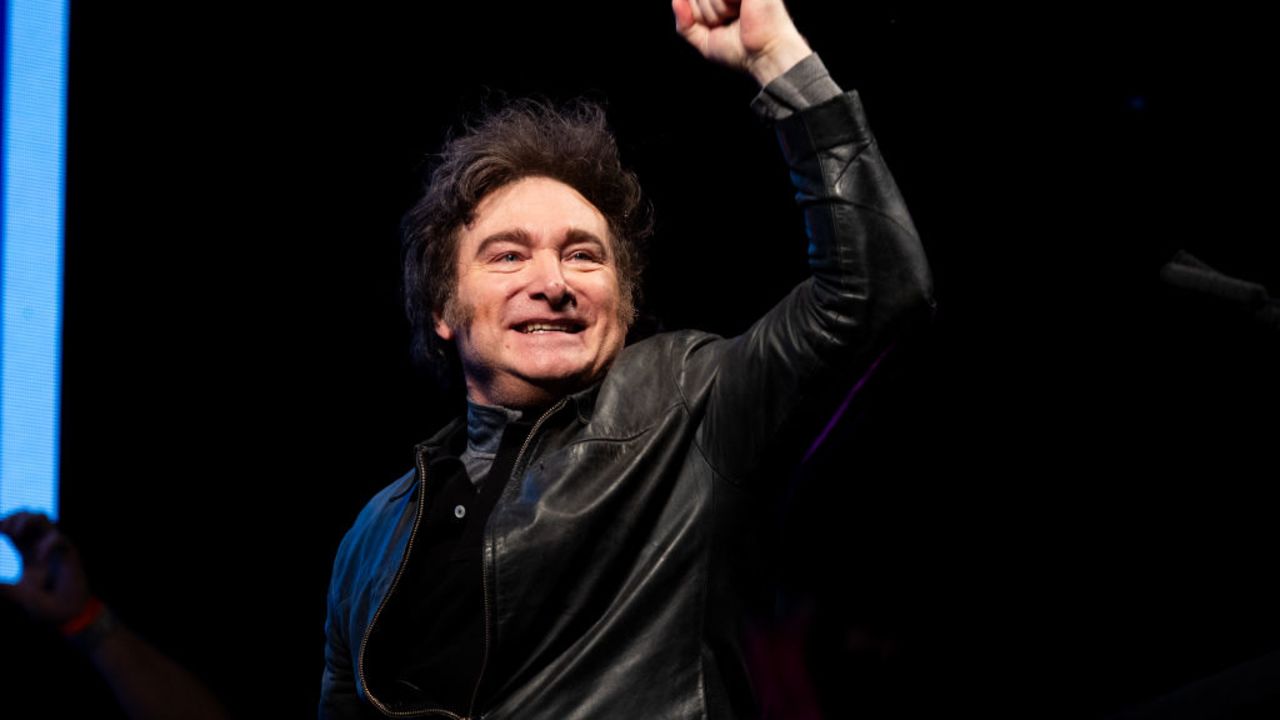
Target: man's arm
x,y
869,273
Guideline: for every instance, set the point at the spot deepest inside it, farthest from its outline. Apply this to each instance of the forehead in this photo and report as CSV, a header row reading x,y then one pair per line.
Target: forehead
x,y
545,209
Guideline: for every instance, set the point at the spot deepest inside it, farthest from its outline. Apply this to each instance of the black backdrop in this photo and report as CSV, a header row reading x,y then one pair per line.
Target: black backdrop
x,y
1052,503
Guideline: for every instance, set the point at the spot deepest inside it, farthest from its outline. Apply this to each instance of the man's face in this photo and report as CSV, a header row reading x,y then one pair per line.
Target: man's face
x,y
537,312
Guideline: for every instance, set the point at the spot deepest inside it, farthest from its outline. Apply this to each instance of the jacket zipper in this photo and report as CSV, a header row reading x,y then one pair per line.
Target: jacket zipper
x,y
484,575
364,641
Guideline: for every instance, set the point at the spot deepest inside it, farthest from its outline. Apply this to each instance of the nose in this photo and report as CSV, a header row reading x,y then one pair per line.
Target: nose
x,y
548,282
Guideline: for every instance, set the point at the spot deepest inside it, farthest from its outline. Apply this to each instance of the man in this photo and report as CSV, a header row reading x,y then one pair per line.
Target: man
x,y
575,546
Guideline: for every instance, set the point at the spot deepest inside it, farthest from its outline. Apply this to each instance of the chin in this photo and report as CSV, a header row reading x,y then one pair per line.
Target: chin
x,y
550,368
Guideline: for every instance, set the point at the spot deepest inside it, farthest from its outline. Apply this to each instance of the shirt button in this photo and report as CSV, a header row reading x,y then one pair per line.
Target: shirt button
x,y
459,512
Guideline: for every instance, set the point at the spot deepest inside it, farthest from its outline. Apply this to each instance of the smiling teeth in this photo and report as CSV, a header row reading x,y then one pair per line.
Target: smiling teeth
x,y
532,328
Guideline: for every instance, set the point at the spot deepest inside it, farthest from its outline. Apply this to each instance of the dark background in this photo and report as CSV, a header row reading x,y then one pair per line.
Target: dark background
x,y
1053,503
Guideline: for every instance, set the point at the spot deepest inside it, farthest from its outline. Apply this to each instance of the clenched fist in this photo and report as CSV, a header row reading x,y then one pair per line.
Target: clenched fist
x,y
53,587
755,36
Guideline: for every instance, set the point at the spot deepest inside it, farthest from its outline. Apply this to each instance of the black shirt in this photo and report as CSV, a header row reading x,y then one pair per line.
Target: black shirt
x,y
438,615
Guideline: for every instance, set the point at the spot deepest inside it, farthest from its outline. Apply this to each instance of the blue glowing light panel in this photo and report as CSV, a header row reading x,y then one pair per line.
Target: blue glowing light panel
x,y
32,134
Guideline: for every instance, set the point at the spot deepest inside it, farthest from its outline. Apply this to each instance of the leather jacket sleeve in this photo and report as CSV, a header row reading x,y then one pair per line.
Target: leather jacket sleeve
x,y
869,279
338,698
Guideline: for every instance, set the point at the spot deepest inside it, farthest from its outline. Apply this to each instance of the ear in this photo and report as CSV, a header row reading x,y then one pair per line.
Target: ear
x,y
442,329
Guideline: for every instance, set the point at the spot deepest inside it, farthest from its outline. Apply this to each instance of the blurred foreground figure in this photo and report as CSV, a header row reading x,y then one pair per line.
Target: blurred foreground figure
x,y
575,544
53,589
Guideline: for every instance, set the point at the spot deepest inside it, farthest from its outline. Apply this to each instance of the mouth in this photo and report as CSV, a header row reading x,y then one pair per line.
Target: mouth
x,y
544,326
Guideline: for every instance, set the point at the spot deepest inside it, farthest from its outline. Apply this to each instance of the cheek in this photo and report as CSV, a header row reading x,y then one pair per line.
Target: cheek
x,y
481,306
606,294
613,317
459,314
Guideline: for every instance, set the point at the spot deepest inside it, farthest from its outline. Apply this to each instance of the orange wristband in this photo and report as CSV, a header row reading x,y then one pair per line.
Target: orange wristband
x,y
93,607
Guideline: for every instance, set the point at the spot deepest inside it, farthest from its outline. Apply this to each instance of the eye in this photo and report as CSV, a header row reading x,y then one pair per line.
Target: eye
x,y
583,256
508,257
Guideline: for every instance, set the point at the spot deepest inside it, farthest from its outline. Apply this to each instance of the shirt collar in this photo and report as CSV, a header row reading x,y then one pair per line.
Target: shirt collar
x,y
495,419
485,424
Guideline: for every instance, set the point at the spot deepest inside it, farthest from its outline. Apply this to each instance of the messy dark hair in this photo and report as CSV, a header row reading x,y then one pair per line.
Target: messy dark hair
x,y
525,138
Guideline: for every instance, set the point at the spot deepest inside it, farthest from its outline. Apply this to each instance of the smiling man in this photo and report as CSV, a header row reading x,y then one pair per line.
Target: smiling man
x,y
577,545
537,311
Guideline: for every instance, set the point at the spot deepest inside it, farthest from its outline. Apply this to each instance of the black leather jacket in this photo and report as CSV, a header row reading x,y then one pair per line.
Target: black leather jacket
x,y
614,559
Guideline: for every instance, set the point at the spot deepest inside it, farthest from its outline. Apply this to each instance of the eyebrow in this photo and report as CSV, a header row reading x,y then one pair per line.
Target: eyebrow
x,y
581,237
519,236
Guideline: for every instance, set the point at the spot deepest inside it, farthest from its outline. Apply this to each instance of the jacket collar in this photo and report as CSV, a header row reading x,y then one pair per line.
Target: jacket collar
x,y
445,436
583,402
448,440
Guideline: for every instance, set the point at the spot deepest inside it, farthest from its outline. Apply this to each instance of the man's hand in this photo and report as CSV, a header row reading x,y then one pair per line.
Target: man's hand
x,y
53,587
755,36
